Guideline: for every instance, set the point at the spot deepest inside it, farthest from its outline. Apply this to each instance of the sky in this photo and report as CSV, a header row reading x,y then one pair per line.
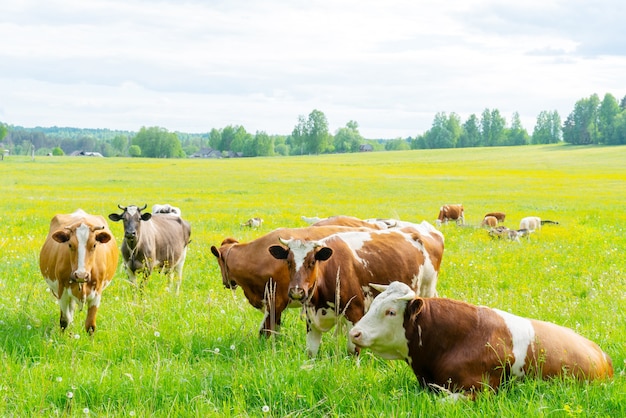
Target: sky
x,y
391,66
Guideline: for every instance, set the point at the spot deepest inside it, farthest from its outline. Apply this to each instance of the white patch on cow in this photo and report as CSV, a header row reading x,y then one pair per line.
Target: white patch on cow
x,y
354,240
131,210
381,329
522,334
368,297
79,214
67,304
82,235
53,285
300,249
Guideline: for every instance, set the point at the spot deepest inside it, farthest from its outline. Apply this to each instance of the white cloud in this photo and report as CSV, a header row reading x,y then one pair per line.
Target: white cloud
x,y
197,65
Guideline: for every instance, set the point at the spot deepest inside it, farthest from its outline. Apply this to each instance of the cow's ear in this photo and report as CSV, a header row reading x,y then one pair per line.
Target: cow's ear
x,y
61,236
103,237
146,216
279,252
323,254
115,217
415,307
215,251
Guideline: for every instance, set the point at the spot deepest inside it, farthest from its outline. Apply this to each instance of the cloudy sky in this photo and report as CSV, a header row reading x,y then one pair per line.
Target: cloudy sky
x,y
389,65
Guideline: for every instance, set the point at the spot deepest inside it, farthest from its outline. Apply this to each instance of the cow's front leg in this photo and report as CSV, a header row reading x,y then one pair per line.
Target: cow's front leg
x,y
94,303
313,340
67,307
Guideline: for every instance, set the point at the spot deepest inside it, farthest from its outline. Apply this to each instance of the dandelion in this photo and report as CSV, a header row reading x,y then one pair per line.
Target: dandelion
x,y
223,311
232,347
29,327
217,350
86,411
69,394
131,413
76,336
265,409
59,379
157,334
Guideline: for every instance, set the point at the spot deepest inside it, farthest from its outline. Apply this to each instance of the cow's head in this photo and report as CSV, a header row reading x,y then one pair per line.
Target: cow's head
x,y
222,258
82,240
132,218
302,259
381,329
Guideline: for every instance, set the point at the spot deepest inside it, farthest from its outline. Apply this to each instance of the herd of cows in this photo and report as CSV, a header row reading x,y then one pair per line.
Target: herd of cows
x,y
378,275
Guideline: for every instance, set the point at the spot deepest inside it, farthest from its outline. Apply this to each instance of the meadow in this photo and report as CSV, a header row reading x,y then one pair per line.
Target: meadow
x,y
198,354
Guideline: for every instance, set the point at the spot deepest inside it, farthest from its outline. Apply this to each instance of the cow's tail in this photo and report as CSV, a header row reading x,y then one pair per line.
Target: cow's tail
x,y
545,221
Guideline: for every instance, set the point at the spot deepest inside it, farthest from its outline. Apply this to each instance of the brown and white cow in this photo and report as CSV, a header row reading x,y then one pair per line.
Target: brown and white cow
x,y
500,216
78,261
331,276
465,348
489,222
155,240
264,279
451,213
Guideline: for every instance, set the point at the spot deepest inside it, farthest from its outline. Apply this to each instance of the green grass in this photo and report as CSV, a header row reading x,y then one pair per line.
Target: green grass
x,y
198,354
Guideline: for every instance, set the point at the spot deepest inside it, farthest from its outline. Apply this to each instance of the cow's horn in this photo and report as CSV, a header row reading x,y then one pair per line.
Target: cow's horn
x,y
121,207
144,206
284,241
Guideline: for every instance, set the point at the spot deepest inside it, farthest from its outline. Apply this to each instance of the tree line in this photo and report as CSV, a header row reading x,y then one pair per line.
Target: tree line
x,y
592,121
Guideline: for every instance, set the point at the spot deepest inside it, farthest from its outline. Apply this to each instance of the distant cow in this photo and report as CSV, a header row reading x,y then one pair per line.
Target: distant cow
x,y
451,213
253,222
263,279
78,261
331,276
489,222
506,233
153,240
459,347
500,216
532,223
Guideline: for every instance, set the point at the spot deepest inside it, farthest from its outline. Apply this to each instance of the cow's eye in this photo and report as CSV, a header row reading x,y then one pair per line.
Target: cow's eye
x,y
390,312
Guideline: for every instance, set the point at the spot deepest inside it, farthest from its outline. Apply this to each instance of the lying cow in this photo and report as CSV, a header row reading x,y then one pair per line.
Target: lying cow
x,y
153,241
489,222
263,279
253,223
500,216
506,233
331,276
451,213
465,348
78,261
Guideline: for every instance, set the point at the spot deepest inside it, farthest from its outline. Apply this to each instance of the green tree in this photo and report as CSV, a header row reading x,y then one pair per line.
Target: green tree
x,y
348,138
311,135
493,128
581,126
57,151
470,133
607,114
547,128
318,137
215,138
517,135
263,145
240,140
120,144
157,142
134,151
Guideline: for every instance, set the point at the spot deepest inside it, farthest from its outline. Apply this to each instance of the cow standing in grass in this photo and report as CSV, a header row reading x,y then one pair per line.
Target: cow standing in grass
x,y
331,276
153,241
78,261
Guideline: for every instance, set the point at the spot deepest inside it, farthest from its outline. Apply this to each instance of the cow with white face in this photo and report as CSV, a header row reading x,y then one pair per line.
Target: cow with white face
x,y
331,277
78,261
464,348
